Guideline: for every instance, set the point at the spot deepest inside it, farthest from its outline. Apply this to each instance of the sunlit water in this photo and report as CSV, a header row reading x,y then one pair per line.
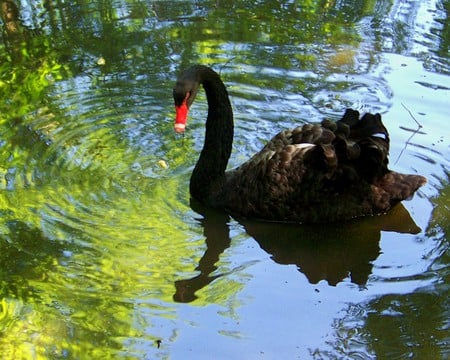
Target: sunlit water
x,y
102,254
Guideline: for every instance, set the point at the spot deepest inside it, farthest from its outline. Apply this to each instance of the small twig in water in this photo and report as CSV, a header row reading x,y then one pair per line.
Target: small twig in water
x,y
226,64
412,135
410,113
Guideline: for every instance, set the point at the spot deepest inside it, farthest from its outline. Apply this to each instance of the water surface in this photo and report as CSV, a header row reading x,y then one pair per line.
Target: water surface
x,y
104,256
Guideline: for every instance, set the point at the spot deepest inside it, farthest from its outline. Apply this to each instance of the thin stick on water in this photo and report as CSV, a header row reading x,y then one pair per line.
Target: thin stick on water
x,y
410,113
226,64
412,135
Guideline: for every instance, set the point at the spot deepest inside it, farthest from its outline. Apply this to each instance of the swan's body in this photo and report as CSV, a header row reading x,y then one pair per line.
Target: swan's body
x,y
313,173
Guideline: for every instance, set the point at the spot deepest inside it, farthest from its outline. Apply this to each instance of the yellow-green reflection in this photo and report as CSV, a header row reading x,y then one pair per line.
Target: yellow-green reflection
x,y
88,266
97,239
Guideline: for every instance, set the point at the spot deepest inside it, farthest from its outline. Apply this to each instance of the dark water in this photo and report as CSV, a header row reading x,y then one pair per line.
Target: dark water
x,y
103,256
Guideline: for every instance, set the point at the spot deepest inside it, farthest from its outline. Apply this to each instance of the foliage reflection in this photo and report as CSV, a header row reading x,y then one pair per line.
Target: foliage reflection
x,y
98,243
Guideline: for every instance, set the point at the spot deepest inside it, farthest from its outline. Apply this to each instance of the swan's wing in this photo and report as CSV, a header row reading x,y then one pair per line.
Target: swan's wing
x,y
359,143
351,148
304,170
271,183
320,172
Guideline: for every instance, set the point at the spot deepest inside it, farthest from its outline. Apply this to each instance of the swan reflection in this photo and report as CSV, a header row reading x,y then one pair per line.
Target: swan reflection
x,y
330,252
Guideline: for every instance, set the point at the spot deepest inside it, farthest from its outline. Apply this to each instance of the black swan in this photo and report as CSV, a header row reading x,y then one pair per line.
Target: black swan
x,y
324,172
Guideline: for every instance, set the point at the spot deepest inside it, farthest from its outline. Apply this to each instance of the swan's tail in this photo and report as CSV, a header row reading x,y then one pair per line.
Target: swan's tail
x,y
368,126
364,142
394,187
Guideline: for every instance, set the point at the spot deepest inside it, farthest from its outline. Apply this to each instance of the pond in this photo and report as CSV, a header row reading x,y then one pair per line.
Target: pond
x,y
102,255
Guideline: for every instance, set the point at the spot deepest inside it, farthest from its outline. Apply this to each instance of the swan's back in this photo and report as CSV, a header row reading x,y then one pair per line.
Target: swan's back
x,y
319,173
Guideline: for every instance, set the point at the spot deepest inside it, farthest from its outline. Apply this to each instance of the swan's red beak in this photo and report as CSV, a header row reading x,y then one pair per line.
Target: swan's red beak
x,y
181,117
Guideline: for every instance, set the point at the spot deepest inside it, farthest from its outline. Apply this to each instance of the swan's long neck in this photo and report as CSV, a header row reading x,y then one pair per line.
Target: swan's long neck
x,y
209,173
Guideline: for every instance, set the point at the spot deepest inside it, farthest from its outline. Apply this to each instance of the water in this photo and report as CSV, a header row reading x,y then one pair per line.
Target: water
x,y
102,254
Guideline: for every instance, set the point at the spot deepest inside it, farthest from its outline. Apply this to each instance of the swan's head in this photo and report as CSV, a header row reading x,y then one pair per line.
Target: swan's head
x,y
184,94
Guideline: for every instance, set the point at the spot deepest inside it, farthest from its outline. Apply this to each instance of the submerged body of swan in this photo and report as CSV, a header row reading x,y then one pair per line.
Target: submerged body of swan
x,y
329,171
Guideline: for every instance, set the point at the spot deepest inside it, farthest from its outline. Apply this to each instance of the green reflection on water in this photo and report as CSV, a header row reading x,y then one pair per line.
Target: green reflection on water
x,y
95,236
